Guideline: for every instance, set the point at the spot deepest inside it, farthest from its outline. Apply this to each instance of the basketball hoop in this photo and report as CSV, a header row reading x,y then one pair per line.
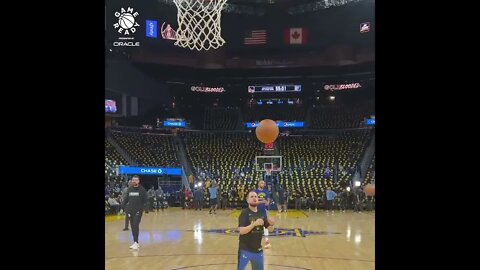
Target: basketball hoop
x,y
198,24
268,171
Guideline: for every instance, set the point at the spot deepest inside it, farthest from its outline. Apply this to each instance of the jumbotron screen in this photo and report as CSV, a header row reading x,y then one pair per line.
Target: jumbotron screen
x,y
274,88
110,106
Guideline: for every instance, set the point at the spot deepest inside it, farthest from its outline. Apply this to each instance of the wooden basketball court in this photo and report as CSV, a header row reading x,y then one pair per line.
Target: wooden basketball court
x,y
187,239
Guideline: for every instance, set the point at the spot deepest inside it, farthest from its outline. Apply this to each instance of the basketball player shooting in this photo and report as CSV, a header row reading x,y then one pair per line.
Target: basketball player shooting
x,y
251,223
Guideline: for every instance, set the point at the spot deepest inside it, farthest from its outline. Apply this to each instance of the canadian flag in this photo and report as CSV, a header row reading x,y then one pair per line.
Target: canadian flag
x,y
296,35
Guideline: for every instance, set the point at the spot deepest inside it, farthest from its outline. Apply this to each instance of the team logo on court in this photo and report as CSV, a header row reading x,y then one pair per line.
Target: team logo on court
x,y
126,25
277,232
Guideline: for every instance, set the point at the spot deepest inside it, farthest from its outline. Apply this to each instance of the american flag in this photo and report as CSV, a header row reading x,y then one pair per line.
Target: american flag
x,y
255,37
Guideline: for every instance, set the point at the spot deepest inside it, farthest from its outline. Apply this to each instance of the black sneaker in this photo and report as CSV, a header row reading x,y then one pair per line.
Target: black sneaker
x,y
125,229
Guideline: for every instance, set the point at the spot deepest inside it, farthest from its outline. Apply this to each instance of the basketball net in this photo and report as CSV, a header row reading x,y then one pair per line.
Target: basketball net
x,y
198,24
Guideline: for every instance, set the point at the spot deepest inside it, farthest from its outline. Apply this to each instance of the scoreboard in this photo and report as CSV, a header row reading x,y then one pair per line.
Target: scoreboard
x,y
274,88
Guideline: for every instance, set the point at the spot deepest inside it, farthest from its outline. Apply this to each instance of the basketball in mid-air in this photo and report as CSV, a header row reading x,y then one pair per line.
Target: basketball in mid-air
x,y
369,189
267,131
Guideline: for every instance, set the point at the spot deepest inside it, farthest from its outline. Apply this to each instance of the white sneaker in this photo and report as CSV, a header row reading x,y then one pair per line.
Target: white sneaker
x,y
135,246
